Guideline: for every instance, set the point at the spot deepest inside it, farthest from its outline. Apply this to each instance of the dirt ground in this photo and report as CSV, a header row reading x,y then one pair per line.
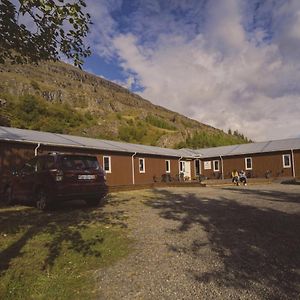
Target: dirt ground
x,y
208,243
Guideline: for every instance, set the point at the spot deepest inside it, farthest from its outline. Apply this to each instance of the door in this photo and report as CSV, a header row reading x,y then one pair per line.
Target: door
x,y
187,173
197,167
185,169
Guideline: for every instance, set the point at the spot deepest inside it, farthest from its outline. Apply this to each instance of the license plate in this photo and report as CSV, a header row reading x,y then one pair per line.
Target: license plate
x,y
86,177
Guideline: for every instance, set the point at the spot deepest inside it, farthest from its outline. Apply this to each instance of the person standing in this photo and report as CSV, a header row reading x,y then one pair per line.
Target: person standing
x,y
235,177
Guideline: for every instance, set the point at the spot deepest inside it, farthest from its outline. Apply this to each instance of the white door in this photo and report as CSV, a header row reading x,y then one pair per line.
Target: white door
x,y
187,172
185,168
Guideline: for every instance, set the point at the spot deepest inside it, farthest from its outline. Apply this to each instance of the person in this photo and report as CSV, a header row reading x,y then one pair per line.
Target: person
x,y
235,177
243,177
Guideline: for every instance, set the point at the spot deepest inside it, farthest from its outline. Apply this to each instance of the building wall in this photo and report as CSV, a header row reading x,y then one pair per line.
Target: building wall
x,y
261,163
14,155
155,167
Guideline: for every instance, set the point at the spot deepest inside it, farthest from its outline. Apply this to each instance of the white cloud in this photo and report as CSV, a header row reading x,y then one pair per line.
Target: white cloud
x,y
221,75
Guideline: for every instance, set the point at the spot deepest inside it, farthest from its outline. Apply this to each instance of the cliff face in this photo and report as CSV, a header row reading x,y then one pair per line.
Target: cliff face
x,y
104,109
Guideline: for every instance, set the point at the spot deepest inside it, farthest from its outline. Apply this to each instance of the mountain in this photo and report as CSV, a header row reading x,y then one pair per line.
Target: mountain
x,y
57,97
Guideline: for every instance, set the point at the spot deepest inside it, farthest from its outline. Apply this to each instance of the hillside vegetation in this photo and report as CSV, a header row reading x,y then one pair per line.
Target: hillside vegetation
x,y
57,97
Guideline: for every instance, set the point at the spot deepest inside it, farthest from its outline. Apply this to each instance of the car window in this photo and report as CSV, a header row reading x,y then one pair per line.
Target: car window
x,y
30,166
50,163
76,162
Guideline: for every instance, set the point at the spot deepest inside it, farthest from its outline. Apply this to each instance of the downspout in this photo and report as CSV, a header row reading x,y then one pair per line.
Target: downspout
x,y
293,163
222,167
132,166
36,149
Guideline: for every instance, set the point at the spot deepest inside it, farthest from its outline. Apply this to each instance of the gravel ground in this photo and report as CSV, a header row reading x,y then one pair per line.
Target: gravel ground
x,y
208,243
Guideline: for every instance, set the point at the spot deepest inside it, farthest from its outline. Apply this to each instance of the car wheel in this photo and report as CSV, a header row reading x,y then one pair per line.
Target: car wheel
x,y
93,202
42,201
8,199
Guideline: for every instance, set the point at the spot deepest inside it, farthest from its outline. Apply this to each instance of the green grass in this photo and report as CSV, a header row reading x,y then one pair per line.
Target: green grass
x,y
57,255
159,122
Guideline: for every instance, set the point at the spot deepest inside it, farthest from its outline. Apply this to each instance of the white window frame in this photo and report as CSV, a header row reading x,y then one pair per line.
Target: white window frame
x,y
109,163
283,161
216,170
144,166
169,164
246,168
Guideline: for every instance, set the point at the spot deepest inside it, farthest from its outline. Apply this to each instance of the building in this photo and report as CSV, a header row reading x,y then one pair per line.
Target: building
x,y
132,164
279,158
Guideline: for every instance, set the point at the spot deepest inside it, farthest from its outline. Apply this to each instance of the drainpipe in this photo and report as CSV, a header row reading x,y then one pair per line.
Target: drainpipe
x,y
36,149
132,166
222,167
293,163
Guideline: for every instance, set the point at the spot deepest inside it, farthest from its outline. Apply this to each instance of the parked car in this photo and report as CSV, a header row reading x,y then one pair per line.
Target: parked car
x,y
54,177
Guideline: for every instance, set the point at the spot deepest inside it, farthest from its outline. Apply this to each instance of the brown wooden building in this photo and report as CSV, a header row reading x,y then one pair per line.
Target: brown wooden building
x,y
130,164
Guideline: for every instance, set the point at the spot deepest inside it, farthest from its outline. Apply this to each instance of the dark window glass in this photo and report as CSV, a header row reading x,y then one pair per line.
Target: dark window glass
x,y
249,163
167,166
50,163
106,163
216,165
287,161
197,164
74,162
142,166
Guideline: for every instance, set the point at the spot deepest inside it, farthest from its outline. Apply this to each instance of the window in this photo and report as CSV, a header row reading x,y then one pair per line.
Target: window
x,y
182,167
79,162
286,159
216,165
107,164
30,166
197,167
248,163
168,166
142,165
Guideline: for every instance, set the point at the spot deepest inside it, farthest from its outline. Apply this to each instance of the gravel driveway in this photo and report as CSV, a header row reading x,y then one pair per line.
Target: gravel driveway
x,y
208,243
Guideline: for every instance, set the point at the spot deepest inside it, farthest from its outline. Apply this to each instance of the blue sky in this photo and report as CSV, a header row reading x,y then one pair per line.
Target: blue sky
x,y
231,64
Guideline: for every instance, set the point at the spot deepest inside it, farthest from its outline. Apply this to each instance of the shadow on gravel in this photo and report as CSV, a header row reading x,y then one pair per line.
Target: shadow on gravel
x,y
65,225
269,195
258,247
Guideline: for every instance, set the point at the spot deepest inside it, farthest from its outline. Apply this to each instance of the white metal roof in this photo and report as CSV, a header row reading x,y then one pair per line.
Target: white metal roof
x,y
251,148
23,135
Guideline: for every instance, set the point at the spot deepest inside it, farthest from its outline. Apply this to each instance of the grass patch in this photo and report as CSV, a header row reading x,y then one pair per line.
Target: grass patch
x,y
56,255
159,122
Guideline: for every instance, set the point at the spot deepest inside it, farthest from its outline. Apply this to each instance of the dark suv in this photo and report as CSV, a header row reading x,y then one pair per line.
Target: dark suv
x,y
54,177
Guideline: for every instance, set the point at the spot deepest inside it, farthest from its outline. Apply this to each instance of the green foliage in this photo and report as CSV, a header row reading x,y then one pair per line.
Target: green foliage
x,y
60,27
203,139
133,133
30,112
160,123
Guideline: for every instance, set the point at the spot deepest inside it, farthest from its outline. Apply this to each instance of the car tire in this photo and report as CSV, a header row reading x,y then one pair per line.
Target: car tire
x,y
8,198
93,202
42,200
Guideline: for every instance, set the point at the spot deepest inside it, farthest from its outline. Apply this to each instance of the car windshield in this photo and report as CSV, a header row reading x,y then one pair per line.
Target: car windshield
x,y
72,162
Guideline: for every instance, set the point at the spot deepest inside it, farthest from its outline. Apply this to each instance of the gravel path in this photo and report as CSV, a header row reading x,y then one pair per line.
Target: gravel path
x,y
208,243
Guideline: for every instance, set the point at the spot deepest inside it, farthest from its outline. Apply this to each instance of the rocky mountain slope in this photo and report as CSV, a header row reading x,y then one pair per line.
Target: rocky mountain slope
x,y
57,97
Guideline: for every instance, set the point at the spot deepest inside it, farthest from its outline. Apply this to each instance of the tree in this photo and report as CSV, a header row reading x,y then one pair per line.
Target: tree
x,y
54,28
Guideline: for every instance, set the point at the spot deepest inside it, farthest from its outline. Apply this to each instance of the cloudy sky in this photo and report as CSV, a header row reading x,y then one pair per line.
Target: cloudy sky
x,y
228,63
